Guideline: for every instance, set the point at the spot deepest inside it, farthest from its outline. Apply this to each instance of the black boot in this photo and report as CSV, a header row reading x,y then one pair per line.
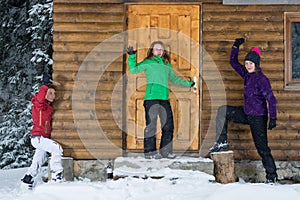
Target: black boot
x,y
218,146
28,179
271,181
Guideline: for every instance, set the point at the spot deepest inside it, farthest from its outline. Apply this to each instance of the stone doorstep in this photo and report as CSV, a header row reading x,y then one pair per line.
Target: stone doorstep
x,y
247,170
138,166
157,168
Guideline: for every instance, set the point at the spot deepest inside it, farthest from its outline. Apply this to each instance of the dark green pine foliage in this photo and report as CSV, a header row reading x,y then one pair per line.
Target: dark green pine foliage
x,y
25,53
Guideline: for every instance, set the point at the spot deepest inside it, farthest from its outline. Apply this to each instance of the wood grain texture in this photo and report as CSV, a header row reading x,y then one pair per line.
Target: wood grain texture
x,y
81,25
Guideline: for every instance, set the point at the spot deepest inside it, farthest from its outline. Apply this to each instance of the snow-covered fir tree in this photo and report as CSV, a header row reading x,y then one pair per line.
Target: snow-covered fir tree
x,y
26,52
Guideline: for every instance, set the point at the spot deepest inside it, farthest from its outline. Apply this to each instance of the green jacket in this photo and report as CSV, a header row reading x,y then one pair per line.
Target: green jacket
x,y
158,75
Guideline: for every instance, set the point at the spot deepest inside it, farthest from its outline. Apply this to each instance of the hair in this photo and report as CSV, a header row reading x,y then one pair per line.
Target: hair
x,y
51,87
166,56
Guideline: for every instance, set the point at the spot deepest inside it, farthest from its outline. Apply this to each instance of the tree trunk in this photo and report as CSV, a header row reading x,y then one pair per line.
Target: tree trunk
x,y
224,166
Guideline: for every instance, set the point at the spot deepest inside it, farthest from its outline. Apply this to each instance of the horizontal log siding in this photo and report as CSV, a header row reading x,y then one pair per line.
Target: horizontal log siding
x,y
262,26
79,26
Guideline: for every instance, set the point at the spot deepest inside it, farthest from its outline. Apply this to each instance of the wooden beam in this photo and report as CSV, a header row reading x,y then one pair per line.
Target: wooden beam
x,y
260,2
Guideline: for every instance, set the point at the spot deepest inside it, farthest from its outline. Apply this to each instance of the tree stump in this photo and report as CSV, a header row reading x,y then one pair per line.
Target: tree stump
x,y
224,166
67,164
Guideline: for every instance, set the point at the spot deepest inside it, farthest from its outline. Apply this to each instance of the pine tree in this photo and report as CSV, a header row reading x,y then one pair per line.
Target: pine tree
x,y
25,53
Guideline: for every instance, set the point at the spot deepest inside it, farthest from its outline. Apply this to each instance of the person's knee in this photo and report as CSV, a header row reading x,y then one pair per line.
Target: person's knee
x,y
168,128
58,150
150,131
222,110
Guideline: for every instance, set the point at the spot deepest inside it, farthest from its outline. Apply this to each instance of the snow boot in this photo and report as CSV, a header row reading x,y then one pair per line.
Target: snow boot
x,y
271,181
28,181
169,156
57,177
218,146
153,156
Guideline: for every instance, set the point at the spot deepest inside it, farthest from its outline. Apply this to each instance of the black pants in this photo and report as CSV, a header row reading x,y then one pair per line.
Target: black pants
x,y
258,127
161,108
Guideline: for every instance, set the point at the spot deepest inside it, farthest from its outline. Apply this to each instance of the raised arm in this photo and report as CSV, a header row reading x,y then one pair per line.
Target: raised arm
x,y
234,62
134,67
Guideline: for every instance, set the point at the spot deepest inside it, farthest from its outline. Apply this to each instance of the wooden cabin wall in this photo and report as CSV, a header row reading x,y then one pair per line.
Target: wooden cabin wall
x,y
79,26
262,26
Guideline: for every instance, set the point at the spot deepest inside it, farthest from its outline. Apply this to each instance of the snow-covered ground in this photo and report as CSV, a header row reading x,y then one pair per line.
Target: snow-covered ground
x,y
187,185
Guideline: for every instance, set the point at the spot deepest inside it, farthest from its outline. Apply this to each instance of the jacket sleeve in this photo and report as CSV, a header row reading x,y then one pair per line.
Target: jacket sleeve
x,y
234,62
177,80
134,67
41,95
269,96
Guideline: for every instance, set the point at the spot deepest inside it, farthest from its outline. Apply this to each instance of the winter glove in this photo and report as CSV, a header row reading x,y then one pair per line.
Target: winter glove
x,y
46,79
238,42
130,50
272,123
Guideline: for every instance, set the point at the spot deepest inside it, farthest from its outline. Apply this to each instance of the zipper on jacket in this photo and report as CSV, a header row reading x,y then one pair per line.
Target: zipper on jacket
x,y
40,117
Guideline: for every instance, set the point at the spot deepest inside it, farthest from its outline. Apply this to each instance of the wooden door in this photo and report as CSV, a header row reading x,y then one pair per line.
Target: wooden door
x,y
177,26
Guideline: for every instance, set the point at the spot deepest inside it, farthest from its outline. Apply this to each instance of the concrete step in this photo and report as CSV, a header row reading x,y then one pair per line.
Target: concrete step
x,y
141,167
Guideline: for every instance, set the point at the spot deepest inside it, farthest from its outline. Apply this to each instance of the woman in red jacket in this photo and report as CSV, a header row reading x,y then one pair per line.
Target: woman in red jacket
x,y
41,134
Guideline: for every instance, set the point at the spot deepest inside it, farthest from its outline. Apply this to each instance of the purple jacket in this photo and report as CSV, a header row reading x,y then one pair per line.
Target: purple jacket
x,y
257,89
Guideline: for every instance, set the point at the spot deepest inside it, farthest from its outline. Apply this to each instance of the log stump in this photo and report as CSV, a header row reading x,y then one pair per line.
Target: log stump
x,y
224,167
68,166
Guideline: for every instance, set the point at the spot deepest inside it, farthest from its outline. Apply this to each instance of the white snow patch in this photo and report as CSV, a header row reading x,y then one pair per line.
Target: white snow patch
x,y
187,185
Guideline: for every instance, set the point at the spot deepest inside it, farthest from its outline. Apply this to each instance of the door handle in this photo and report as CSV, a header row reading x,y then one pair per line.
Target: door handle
x,y
196,85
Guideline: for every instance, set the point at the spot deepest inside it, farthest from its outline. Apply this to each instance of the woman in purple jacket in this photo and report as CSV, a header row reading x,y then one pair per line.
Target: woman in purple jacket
x,y
257,92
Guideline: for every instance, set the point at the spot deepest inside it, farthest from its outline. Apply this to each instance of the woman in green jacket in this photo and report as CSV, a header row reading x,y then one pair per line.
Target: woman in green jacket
x,y
159,72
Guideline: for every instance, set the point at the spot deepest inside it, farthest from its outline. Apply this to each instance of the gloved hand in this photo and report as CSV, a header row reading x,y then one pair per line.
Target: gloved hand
x,y
193,83
272,123
238,42
47,79
130,50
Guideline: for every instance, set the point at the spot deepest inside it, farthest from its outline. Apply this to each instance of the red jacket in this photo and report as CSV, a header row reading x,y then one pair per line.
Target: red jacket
x,y
41,114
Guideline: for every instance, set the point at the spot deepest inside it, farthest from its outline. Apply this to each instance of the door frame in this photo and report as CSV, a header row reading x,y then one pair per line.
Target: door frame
x,y
125,79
